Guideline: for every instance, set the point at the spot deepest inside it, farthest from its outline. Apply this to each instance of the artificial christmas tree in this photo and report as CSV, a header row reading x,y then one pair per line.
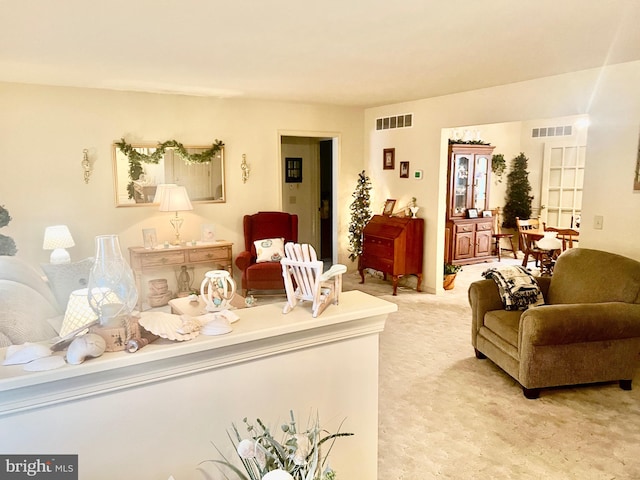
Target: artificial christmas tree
x,y
360,215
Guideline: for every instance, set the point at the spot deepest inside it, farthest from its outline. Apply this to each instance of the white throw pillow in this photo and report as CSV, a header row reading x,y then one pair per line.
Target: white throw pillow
x,y
269,250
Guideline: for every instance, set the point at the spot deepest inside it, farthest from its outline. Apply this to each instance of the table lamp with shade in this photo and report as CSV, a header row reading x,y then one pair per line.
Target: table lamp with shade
x,y
160,189
175,199
58,238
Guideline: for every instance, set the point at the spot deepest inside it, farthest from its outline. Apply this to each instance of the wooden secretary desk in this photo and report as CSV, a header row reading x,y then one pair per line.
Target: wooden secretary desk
x,y
393,245
468,237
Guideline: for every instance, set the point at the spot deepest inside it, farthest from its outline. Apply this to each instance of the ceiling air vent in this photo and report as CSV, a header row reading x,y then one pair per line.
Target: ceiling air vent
x,y
396,121
551,131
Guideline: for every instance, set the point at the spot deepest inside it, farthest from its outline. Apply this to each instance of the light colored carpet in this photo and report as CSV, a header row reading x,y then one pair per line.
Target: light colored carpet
x,y
446,415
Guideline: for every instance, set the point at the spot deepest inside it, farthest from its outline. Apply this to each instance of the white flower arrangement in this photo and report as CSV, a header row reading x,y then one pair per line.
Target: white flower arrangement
x,y
296,457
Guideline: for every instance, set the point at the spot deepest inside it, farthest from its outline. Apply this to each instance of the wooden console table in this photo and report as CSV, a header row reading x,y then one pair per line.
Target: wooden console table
x,y
217,254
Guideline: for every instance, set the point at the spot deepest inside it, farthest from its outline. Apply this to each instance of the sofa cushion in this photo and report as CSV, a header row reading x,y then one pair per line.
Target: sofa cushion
x,y
583,275
24,313
17,270
504,323
64,278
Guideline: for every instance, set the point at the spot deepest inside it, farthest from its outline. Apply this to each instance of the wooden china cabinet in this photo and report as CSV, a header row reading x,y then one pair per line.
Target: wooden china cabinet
x,y
467,233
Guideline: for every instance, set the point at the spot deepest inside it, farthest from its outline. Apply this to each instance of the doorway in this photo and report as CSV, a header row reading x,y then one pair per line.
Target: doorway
x,y
310,193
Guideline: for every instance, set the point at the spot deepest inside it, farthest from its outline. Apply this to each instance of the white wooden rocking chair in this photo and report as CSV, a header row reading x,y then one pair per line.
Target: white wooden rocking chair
x,y
305,280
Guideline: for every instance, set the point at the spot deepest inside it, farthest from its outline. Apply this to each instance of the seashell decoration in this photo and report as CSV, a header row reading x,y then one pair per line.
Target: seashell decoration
x,y
86,346
218,326
166,325
25,353
45,363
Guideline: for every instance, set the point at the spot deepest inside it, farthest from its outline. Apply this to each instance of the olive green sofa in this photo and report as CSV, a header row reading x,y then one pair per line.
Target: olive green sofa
x,y
588,331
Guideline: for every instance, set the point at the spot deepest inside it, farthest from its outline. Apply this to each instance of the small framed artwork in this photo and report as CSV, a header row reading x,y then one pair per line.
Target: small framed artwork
x,y
293,170
404,169
472,213
208,233
388,207
149,238
417,174
389,159
486,214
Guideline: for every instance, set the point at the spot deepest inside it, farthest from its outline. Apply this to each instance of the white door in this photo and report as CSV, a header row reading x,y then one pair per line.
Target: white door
x,y
562,180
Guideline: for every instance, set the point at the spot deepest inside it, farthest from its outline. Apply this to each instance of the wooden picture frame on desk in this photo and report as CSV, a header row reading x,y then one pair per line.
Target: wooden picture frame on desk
x,y
388,207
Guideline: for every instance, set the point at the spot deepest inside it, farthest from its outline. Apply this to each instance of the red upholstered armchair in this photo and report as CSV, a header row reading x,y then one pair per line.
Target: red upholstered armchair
x,y
260,226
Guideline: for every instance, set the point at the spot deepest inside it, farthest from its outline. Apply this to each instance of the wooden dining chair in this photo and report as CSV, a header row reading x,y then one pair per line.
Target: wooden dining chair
x,y
528,232
497,235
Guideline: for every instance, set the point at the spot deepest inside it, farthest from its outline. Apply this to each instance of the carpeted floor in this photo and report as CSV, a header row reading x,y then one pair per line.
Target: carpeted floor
x,y
446,415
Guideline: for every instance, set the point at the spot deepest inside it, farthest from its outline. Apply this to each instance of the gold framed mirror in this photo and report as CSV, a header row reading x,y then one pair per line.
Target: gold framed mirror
x,y
139,168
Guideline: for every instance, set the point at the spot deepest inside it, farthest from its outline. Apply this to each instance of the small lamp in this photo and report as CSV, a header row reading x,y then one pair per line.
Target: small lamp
x,y
57,238
175,199
78,314
549,242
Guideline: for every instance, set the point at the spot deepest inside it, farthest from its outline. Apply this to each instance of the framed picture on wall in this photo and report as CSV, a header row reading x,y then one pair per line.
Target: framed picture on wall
x,y
417,174
388,207
404,169
389,159
293,170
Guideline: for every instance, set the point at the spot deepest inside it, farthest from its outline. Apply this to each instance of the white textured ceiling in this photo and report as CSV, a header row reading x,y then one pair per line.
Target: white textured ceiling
x,y
345,52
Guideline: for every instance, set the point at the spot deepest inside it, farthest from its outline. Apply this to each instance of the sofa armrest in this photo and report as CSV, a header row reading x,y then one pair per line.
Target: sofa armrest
x,y
243,260
578,323
484,296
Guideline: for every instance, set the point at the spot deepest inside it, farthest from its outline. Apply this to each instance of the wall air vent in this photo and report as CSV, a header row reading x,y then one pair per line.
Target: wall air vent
x,y
552,131
396,121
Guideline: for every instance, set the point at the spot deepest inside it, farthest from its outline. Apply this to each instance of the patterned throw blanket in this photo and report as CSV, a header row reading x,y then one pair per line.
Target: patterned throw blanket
x,y
517,286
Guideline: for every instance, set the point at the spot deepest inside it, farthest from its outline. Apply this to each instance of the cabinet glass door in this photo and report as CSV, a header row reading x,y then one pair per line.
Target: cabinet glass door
x,y
460,184
480,182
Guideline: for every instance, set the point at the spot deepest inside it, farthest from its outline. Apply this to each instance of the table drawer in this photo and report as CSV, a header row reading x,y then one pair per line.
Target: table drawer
x,y
464,228
162,258
209,254
387,242
380,264
483,227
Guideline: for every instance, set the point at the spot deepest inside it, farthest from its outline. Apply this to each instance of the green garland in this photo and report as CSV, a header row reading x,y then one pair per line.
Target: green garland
x,y
457,141
136,158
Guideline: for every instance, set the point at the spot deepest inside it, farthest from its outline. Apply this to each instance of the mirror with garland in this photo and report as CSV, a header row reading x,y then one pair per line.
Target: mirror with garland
x,y
140,168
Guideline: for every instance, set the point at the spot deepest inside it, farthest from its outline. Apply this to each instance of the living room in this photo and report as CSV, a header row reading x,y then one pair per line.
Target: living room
x,y
44,129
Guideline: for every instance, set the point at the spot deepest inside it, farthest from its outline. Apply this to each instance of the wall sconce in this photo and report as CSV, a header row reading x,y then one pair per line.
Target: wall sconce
x,y
86,166
245,169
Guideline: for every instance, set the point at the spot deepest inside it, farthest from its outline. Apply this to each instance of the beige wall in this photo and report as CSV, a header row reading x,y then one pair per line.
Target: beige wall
x,y
609,96
43,131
